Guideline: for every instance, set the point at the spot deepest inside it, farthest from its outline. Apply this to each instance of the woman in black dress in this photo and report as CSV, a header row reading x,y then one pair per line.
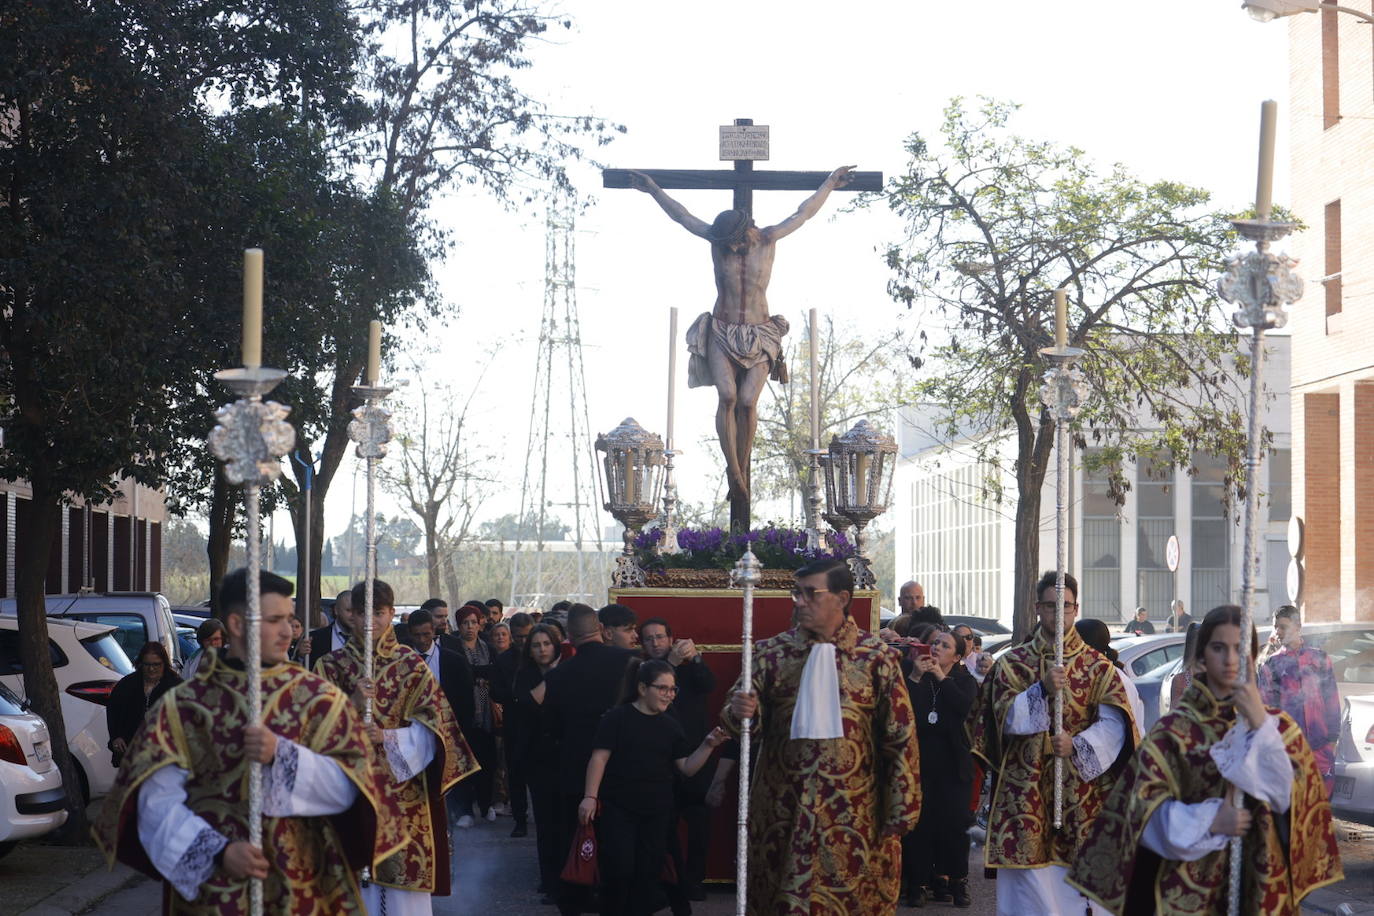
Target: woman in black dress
x,y
136,693
532,741
935,853
630,780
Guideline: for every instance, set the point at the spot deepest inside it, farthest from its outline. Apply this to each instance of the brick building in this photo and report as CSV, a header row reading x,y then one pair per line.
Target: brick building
x,y
1331,131
113,547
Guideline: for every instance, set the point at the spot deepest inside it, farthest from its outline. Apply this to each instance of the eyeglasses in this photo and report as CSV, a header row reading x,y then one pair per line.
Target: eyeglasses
x,y
1049,605
665,688
807,592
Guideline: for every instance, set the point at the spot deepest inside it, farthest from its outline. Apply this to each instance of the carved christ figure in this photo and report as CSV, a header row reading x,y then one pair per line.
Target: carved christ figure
x,y
737,346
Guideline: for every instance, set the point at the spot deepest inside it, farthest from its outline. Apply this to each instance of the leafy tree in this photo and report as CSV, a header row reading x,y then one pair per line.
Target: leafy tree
x,y
509,528
442,108
106,154
995,223
397,538
857,378
442,484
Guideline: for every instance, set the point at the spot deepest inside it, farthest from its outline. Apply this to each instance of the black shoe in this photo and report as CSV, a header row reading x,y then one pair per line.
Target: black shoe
x,y
916,897
519,830
959,889
939,891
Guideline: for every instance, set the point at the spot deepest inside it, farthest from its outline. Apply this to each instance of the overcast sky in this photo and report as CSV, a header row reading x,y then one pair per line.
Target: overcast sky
x,y
1170,88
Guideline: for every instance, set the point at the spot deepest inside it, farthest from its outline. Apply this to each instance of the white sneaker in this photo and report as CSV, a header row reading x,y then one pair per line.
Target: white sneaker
x,y
465,821
491,815
501,809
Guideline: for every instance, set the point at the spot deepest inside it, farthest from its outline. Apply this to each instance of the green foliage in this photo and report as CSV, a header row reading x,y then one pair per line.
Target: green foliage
x,y
996,223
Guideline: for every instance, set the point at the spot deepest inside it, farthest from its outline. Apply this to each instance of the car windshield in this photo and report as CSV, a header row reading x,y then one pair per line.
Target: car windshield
x,y
10,705
107,650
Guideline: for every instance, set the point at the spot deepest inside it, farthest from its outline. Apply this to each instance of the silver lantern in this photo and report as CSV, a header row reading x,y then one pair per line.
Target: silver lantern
x,y
858,486
632,476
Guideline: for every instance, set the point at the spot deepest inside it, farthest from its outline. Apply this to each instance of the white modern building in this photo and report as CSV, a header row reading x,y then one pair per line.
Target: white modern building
x,y
954,537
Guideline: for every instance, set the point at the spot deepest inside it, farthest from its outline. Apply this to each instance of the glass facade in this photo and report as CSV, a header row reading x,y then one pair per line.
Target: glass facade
x,y
1211,542
956,551
1154,524
1101,583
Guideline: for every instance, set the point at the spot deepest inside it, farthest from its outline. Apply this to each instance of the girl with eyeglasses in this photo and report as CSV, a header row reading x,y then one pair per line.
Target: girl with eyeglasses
x,y
629,791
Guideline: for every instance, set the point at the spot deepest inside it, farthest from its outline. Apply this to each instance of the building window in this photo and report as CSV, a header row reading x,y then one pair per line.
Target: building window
x,y
1332,280
1101,583
1280,485
1331,68
1154,525
955,545
1211,546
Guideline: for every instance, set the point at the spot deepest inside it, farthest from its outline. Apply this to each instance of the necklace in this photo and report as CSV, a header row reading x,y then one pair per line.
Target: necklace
x,y
934,696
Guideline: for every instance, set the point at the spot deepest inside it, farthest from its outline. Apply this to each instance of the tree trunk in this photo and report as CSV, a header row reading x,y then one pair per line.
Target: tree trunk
x,y
309,550
223,511
450,573
432,551
1034,444
341,403
40,684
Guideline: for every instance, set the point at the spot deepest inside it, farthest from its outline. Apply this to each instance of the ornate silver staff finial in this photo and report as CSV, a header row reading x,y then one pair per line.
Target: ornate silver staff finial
x,y
370,428
1261,284
250,438
746,574
1064,393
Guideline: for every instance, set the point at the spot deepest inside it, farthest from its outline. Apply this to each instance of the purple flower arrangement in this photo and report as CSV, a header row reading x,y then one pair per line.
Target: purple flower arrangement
x,y
716,548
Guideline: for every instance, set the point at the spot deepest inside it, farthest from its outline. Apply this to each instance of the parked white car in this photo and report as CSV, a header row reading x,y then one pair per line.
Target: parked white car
x,y
88,662
138,617
32,802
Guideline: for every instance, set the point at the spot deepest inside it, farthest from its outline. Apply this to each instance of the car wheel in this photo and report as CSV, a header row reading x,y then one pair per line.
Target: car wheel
x,y
6,848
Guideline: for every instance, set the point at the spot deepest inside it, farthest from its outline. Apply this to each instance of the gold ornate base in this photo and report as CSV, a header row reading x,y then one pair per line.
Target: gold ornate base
x,y
713,578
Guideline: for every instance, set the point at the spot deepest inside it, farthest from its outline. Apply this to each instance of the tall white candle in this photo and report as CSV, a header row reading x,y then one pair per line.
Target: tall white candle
x,y
672,373
1264,186
1061,319
374,352
252,307
815,388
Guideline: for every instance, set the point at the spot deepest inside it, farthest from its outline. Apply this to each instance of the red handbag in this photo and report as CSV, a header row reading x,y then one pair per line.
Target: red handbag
x,y
581,865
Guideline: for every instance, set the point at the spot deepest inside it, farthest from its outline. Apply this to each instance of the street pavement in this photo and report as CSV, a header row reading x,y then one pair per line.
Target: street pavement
x,y
496,875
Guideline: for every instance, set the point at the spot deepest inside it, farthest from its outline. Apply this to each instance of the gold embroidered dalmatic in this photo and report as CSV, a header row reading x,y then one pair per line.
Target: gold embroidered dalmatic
x,y
198,726
407,692
1286,856
1021,830
817,807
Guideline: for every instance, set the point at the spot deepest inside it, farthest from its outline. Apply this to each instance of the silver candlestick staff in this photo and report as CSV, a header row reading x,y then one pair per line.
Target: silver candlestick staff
x,y
747,573
371,429
1063,394
251,437
1260,284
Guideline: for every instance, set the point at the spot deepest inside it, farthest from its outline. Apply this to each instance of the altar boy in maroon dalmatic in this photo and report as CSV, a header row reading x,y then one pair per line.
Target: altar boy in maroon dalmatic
x,y
179,808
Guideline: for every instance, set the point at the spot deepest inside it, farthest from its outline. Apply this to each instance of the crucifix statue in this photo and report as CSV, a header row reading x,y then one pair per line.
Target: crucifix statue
x,y
737,346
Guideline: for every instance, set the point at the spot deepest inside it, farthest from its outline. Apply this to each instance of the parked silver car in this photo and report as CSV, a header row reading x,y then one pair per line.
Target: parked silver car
x,y
32,802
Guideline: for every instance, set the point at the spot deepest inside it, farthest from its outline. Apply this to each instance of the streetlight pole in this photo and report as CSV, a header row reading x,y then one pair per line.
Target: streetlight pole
x,y
1269,10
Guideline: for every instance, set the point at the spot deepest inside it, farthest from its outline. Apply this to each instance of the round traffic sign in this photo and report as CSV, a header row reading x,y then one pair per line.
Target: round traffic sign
x,y
1295,581
1296,531
1172,553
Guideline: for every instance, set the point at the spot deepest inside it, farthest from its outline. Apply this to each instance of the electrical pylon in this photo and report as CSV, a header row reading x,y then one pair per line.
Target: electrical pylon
x,y
560,466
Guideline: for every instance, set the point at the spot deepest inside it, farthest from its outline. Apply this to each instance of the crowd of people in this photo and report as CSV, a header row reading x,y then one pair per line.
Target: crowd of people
x,y
872,752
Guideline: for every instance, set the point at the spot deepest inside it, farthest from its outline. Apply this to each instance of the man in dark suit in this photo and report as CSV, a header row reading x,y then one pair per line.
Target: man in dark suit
x,y
576,694
328,638
454,674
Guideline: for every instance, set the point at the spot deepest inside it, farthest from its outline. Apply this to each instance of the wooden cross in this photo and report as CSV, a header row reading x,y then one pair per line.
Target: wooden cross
x,y
743,180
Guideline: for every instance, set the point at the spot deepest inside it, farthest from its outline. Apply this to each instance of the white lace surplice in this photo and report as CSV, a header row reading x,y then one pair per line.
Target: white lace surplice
x,y
182,846
1254,760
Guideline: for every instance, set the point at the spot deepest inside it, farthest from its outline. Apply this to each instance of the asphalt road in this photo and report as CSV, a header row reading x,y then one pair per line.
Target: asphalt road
x,y
496,875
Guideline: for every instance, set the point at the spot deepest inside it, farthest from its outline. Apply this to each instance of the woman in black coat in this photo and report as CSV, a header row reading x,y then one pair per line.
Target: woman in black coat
x,y
935,853
136,693
532,742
